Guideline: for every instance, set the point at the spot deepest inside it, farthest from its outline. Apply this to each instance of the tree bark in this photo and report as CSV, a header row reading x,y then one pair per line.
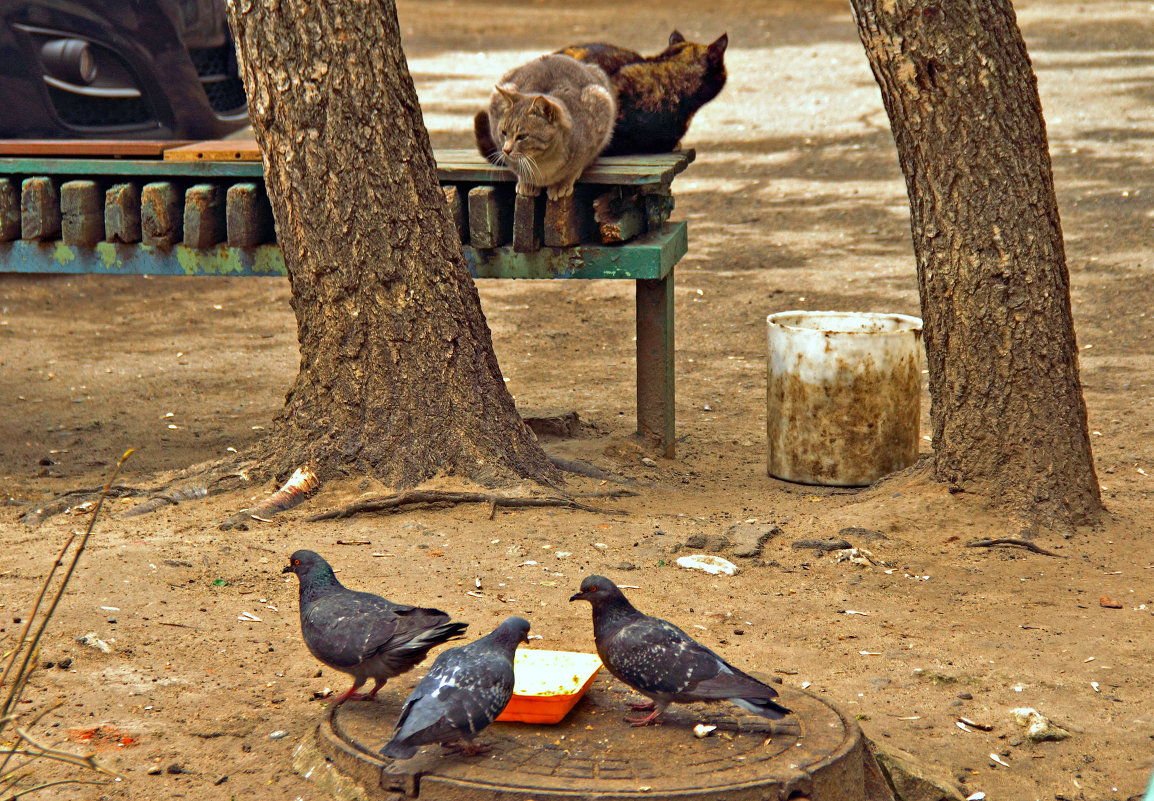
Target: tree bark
x,y
398,378
1007,411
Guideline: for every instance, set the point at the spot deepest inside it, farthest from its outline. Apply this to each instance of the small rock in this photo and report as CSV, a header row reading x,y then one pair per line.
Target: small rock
x,y
695,541
626,566
220,781
645,460
1038,727
92,641
966,696
278,734
1106,602
176,768
750,538
822,546
867,534
64,663
702,730
154,770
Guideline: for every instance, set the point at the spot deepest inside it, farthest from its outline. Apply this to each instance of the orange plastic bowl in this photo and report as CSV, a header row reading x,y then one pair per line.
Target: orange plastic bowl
x,y
548,684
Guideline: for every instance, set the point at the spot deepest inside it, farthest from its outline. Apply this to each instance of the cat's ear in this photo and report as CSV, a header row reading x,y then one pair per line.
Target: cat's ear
x,y
544,107
510,97
717,48
676,38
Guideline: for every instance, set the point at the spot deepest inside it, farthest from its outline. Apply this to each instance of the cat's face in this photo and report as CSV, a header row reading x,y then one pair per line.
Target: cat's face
x,y
529,127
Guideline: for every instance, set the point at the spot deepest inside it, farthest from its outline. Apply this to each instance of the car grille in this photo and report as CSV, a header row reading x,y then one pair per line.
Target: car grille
x,y
216,67
83,111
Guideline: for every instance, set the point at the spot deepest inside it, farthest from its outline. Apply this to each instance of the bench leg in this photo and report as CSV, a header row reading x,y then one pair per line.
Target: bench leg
x,y
655,381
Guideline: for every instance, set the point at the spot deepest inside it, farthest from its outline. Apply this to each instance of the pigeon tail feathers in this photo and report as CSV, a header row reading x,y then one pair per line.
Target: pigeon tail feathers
x,y
761,706
398,750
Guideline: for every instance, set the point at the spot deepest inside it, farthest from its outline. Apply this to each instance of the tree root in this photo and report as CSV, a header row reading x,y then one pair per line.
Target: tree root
x,y
1012,541
582,468
389,503
189,484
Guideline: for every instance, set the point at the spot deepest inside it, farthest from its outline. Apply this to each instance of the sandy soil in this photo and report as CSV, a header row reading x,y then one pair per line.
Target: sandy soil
x,y
795,201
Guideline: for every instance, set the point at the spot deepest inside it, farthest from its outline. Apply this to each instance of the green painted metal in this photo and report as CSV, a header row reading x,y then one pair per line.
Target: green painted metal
x,y
131,168
110,258
649,257
655,375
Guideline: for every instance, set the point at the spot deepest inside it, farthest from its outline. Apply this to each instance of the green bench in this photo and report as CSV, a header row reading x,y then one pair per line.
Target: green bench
x,y
200,211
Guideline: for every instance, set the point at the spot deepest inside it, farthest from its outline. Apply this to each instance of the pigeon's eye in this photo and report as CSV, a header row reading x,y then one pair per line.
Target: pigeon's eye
x,y
296,561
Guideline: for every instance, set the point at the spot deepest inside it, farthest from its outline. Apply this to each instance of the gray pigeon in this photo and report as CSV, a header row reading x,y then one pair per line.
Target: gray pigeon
x,y
363,634
463,692
661,661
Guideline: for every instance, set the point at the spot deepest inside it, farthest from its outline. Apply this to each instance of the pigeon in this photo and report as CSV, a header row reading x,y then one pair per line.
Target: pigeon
x,y
363,634
463,692
662,662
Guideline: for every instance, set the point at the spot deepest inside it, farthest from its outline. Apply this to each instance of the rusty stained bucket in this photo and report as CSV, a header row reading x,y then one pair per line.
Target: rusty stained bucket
x,y
844,398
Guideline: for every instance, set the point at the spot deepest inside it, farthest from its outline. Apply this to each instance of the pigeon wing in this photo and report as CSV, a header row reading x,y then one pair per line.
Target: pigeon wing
x,y
343,629
656,657
460,695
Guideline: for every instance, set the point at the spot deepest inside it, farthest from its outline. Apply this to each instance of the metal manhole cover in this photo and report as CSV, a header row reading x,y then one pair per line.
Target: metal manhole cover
x,y
593,754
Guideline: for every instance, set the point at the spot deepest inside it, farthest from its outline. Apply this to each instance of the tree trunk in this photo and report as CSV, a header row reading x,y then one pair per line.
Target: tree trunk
x,y
1007,410
397,376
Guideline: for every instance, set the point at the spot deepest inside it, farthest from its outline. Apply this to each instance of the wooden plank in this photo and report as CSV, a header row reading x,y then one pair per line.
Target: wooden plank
x,y
567,221
82,213
216,150
9,210
248,216
39,208
658,207
528,222
651,256
122,213
619,216
457,211
204,222
161,214
465,165
490,220
88,147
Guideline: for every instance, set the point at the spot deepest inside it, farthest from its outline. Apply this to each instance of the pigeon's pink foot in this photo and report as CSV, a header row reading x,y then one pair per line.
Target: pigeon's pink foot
x,y
349,694
467,748
641,706
372,696
645,721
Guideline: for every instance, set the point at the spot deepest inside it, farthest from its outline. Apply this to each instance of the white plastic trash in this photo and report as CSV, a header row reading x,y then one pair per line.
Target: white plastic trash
x,y
844,396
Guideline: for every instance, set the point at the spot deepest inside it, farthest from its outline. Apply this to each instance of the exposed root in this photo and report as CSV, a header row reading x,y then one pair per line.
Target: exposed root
x,y
1012,541
192,483
391,503
580,467
169,498
76,501
301,484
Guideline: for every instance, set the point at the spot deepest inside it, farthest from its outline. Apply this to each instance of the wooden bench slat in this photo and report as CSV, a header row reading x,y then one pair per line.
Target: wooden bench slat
x,y
87,147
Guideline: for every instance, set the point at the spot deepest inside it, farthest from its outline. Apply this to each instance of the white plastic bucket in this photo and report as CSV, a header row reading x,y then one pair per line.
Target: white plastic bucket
x,y
844,396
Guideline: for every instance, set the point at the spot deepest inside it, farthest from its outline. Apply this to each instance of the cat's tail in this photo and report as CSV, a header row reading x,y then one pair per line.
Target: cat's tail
x,y
484,136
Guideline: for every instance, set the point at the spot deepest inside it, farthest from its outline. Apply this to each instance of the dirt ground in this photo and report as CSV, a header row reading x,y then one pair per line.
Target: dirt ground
x,y
795,202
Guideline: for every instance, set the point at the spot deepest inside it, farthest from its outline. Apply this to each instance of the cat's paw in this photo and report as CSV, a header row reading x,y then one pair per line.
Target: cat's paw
x,y
559,191
527,190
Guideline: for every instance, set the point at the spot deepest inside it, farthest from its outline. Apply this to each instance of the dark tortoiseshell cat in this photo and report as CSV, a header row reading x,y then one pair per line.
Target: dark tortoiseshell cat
x,y
657,96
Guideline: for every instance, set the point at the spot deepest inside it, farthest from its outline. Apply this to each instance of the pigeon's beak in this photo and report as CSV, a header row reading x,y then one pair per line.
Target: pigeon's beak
x,y
580,596
288,569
